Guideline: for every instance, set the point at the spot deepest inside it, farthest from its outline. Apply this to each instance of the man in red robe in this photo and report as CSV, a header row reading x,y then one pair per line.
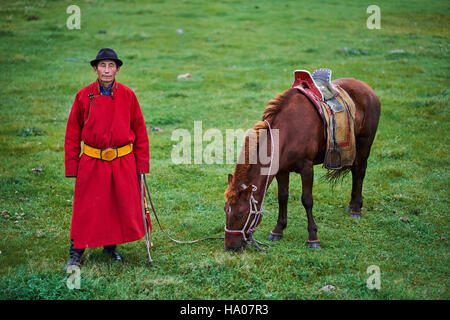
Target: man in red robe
x,y
107,117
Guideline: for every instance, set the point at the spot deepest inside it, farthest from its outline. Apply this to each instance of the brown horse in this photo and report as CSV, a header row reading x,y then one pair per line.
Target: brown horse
x,y
301,145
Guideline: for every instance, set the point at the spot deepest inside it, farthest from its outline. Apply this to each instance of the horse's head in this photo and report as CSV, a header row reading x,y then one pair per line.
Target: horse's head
x,y
241,216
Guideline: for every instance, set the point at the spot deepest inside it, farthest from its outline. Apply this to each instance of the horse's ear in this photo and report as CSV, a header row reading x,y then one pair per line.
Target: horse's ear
x,y
246,191
230,178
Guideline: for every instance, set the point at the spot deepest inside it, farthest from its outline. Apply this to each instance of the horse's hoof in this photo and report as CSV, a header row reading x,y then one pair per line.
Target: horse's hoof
x,y
349,209
355,215
314,245
274,237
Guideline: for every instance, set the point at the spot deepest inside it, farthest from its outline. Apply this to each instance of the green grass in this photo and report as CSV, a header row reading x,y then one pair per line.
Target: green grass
x,y
240,55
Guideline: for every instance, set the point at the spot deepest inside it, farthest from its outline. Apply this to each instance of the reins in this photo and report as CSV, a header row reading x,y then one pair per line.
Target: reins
x,y
161,227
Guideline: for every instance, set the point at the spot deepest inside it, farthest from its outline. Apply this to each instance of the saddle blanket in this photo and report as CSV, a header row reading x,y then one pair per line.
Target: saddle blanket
x,y
344,128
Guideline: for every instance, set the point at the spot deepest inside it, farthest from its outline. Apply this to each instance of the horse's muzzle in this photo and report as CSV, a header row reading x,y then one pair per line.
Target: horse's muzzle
x,y
234,243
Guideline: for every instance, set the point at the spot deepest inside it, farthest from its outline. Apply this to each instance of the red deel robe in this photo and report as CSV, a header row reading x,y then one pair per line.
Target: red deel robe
x,y
107,202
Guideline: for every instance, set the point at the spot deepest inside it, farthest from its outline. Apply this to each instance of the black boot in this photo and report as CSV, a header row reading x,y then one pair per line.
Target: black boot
x,y
111,250
76,256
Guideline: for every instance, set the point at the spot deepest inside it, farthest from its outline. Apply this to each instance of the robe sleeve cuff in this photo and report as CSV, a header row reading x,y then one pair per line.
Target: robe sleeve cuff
x,y
143,167
72,169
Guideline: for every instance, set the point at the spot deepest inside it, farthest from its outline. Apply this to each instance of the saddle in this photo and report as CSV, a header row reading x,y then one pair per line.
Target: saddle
x,y
337,111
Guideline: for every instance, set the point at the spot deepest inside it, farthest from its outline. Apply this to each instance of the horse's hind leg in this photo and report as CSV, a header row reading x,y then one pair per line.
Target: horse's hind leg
x,y
283,196
363,145
307,173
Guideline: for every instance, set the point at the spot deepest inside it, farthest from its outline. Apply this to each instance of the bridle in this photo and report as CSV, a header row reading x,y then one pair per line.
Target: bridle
x,y
253,219
255,215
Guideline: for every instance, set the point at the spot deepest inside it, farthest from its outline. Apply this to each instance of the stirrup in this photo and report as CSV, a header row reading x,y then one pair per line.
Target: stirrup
x,y
333,160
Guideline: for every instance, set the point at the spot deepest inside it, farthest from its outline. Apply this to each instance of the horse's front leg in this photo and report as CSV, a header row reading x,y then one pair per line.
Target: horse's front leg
x,y
307,173
283,196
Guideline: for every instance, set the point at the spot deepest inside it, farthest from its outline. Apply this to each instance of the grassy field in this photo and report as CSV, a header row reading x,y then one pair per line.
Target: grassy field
x,y
240,55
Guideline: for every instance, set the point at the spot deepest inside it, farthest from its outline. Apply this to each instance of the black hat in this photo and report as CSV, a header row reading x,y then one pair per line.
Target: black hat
x,y
106,54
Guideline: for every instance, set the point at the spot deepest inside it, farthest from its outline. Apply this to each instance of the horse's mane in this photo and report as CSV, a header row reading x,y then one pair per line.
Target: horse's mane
x,y
273,107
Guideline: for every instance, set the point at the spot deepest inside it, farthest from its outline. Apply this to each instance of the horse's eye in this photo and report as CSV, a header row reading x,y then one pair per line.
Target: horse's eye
x,y
240,217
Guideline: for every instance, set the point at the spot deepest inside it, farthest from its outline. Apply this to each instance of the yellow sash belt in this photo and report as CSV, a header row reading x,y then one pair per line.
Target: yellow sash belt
x,y
108,154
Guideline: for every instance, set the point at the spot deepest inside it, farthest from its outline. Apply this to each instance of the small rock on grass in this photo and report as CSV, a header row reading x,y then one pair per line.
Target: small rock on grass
x,y
397,51
184,76
328,288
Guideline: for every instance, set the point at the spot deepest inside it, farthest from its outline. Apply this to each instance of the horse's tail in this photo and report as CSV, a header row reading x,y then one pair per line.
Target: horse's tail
x,y
336,176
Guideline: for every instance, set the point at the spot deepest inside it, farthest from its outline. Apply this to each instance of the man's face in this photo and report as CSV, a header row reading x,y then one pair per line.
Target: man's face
x,y
106,71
